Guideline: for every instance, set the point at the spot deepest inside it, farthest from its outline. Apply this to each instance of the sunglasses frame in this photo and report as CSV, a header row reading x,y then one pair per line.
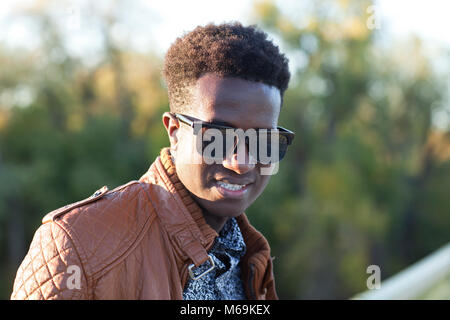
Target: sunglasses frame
x,y
191,121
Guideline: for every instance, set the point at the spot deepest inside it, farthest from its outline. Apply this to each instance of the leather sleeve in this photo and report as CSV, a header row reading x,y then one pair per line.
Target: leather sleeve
x,y
269,282
51,269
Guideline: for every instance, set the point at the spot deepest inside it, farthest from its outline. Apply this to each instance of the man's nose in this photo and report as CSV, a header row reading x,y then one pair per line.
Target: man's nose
x,y
232,162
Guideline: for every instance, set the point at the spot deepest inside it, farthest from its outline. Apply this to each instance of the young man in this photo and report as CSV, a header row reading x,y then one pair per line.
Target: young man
x,y
179,232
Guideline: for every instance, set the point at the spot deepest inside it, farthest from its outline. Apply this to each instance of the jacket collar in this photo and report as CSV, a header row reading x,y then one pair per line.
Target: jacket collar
x,y
184,221
177,211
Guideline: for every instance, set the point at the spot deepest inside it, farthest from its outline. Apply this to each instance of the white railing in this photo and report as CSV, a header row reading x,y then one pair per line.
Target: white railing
x,y
416,280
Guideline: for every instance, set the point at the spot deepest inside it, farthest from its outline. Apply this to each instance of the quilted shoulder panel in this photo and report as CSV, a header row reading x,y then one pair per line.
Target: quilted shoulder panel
x,y
104,230
51,269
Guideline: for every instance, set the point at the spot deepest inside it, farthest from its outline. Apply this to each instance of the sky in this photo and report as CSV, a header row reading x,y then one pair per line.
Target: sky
x,y
426,18
156,24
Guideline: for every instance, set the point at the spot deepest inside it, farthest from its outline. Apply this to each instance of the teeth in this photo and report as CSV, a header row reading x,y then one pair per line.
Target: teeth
x,y
229,186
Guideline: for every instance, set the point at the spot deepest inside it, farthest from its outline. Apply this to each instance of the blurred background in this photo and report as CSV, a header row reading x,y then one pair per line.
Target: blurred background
x,y
367,181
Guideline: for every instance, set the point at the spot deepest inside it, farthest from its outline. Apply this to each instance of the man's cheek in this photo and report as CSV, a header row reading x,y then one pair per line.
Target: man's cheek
x,y
188,152
261,185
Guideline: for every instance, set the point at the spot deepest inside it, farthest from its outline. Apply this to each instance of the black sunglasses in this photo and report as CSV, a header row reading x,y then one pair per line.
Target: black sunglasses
x,y
282,136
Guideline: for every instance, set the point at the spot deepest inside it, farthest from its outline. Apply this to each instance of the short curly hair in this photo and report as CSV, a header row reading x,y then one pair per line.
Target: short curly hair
x,y
228,49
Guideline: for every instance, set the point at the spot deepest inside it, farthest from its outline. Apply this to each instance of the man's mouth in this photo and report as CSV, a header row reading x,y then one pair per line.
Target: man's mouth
x,y
231,186
236,190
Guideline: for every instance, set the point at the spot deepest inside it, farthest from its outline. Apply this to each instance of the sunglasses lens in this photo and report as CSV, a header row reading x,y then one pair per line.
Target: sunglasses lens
x,y
283,146
274,140
260,148
214,139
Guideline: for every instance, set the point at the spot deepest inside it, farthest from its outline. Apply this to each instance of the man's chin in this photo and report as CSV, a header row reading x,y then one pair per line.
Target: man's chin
x,y
222,207
227,208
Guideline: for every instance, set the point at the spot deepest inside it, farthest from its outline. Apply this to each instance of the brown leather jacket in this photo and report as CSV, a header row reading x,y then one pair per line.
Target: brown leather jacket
x,y
134,242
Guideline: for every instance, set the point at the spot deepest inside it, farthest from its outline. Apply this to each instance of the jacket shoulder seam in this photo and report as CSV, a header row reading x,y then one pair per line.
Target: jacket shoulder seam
x,y
148,222
51,216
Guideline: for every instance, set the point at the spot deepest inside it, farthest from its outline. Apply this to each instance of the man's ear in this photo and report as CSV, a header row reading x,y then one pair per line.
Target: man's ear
x,y
171,124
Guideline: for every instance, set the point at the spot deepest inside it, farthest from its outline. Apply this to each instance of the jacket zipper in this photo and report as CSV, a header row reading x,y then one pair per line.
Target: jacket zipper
x,y
250,282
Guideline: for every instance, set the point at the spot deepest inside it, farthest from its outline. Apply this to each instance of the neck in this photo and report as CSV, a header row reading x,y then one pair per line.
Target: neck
x,y
214,221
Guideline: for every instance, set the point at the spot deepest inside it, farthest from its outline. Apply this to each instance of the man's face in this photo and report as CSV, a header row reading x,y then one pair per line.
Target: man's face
x,y
237,103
